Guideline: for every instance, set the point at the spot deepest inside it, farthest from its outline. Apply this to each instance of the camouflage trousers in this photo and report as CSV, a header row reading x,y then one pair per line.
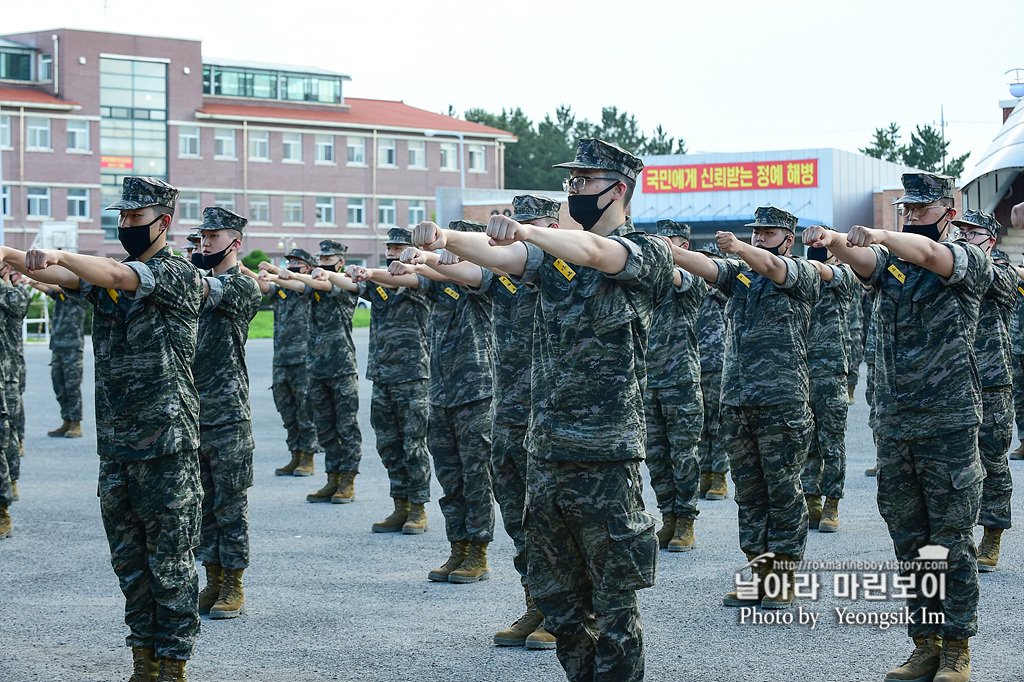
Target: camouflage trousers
x,y
460,445
335,406
66,375
674,418
398,414
508,457
225,466
12,443
710,453
291,388
6,491
19,417
825,470
994,438
591,547
856,356
1017,362
767,447
151,512
929,491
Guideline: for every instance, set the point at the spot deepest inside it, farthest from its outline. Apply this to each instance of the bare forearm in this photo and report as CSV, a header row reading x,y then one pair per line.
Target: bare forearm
x,y
101,272
475,247
920,250
764,262
583,248
696,264
343,281
308,281
465,273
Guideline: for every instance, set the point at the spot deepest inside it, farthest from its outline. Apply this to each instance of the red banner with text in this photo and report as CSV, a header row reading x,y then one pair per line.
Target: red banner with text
x,y
728,177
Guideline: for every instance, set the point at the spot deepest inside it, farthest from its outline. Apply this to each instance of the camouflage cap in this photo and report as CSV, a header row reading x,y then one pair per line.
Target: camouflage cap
x,y
598,154
467,226
924,188
769,216
999,254
711,249
986,221
140,192
533,207
218,218
300,254
329,247
399,236
194,238
670,228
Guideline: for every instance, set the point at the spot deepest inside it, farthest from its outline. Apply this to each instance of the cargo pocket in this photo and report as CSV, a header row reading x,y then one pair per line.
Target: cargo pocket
x,y
632,552
965,495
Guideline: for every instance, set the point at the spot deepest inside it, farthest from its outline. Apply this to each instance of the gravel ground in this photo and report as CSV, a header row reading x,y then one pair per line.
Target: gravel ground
x,y
329,600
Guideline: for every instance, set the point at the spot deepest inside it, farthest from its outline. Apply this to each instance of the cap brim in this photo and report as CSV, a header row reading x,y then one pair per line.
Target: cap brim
x,y
127,205
915,199
781,227
523,217
579,164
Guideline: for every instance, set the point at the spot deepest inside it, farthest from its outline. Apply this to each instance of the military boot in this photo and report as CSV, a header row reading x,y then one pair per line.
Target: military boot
x,y
394,522
460,548
849,395
1019,452
474,568
871,471
667,530
171,670
346,491
540,639
813,511
60,430
955,662
523,627
922,664
682,539
145,667
324,494
829,516
231,602
705,483
719,489
417,521
14,491
5,523
74,430
988,550
785,587
759,572
305,467
214,580
289,468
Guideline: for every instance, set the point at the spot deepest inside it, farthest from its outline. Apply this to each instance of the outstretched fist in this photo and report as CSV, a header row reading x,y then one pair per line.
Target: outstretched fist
x,y
728,242
428,236
864,236
40,259
504,231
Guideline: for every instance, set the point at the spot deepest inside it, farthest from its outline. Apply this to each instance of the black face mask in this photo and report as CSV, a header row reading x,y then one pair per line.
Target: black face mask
x,y
930,230
392,260
209,262
583,208
135,240
295,268
818,253
329,268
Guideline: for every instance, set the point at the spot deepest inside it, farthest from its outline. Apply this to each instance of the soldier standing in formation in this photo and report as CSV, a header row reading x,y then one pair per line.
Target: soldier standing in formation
x,y
14,301
6,485
711,329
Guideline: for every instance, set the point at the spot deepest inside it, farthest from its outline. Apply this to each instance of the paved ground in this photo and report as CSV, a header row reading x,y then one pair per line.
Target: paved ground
x,y
329,600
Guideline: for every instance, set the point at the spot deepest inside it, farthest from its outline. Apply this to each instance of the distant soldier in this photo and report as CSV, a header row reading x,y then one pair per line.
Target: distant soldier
x,y
193,240
6,485
14,301
711,330
67,342
854,341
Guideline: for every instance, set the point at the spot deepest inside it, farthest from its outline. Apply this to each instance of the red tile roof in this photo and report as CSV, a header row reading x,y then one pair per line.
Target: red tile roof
x,y
29,97
361,112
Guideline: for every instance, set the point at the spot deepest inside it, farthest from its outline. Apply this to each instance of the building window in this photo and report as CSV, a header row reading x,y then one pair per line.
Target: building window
x,y
477,158
386,154
449,156
386,212
5,204
259,208
45,67
5,131
357,150
224,201
16,66
38,133
356,211
417,155
259,145
78,136
39,202
325,210
417,212
325,148
188,141
224,143
78,203
188,207
293,209
291,147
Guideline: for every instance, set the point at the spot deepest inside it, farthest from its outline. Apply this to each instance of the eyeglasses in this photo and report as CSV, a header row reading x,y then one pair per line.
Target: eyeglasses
x,y
974,234
907,210
579,182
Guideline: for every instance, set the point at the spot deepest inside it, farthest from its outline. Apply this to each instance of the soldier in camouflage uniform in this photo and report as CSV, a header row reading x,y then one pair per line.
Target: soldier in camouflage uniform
x,y
673,402
6,485
1017,359
67,341
14,301
145,318
766,422
591,544
854,341
193,240
225,419
927,406
711,326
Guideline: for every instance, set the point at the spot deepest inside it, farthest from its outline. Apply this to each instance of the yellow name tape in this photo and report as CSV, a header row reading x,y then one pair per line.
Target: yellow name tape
x,y
383,294
743,278
566,271
512,287
280,292
897,274
451,292
113,294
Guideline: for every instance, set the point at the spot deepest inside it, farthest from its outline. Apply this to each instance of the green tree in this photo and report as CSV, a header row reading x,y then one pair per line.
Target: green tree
x,y
660,143
886,144
927,150
252,259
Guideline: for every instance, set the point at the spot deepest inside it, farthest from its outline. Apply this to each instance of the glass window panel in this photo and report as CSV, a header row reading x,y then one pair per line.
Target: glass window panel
x,y
149,100
115,66
116,98
150,84
115,80
150,69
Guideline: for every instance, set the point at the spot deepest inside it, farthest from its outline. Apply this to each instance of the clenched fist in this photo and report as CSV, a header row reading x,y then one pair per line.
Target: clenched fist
x,y
504,231
428,236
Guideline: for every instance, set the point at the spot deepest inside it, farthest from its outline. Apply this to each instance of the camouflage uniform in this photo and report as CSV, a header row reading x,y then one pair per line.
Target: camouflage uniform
x,y
225,419
766,423
1017,354
711,326
591,543
673,402
14,302
67,340
6,491
927,411
398,366
869,349
854,338
459,432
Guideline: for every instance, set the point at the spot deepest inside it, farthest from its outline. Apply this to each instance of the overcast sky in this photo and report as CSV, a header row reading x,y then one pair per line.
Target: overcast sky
x,y
725,76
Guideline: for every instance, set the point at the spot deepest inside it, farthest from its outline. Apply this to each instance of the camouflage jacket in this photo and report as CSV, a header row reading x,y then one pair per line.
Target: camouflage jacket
x,y
67,326
144,342
828,344
590,351
221,376
1017,319
766,343
711,325
515,305
992,340
398,332
854,322
14,302
461,340
331,351
672,356
926,374
291,325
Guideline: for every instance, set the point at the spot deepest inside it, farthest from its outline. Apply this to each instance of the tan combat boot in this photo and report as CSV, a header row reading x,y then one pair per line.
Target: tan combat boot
x,y
74,430
231,602
923,662
460,548
324,494
1019,452
955,662
523,627
988,550
417,521
849,394
346,489
786,584
719,489
305,467
171,670
829,516
5,523
871,471
540,639
145,667
682,539
705,483
394,522
60,430
813,511
760,571
14,491
667,530
289,468
474,568
214,580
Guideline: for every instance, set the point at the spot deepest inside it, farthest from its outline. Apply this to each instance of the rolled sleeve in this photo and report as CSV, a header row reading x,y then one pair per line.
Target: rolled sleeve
x,y
960,263
216,292
792,274
147,281
687,281
837,277
534,259
727,271
881,258
634,262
